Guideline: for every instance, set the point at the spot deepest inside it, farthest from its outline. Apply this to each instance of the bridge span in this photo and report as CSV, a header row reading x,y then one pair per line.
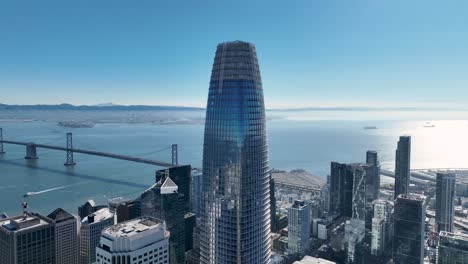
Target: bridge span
x,y
31,152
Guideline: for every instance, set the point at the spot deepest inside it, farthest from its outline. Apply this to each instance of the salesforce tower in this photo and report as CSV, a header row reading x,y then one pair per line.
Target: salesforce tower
x,y
235,213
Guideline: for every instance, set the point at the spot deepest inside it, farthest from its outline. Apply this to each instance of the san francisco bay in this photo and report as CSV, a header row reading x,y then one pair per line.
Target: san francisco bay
x,y
295,141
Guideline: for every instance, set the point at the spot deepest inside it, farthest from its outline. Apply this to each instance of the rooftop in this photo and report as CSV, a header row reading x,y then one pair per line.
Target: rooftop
x,y
17,223
412,197
98,216
60,215
312,260
458,236
133,227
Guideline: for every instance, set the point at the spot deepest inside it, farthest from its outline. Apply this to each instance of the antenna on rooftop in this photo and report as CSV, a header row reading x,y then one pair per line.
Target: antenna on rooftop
x,y
25,210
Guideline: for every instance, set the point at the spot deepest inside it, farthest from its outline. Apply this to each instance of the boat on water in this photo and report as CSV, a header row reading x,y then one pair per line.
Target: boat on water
x,y
428,124
370,127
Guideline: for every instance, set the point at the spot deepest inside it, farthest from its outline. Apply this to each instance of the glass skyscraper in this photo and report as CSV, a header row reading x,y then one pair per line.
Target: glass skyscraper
x,y
408,229
402,166
445,197
235,213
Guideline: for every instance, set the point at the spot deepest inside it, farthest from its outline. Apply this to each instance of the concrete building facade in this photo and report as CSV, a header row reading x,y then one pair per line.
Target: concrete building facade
x,y
138,241
66,236
26,239
90,233
299,227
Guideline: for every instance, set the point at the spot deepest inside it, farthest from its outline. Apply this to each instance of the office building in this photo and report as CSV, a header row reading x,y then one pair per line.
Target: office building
x,y
373,171
181,176
26,239
273,221
299,227
349,193
381,232
402,166
235,218
445,198
190,224
163,201
139,241
359,191
66,236
341,190
196,191
354,239
453,248
90,233
88,208
408,233
124,209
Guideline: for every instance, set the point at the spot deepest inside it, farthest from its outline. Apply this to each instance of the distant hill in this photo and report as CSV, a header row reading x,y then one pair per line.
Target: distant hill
x,y
107,106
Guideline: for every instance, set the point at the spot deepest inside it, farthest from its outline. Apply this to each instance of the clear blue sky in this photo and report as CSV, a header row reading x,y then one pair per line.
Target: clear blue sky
x,y
312,53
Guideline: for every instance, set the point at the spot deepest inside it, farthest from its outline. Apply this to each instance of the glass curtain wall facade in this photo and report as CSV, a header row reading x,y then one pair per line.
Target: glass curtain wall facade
x,y
235,213
402,166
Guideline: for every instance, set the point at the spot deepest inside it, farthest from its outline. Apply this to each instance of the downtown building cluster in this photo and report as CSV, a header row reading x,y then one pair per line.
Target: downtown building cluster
x,y
227,212
405,222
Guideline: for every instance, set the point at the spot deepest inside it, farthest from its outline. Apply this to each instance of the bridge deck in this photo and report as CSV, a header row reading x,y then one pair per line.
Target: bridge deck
x,y
95,153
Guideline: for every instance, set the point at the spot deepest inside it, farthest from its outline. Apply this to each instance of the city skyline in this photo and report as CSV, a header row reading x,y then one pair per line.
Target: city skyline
x,y
392,54
160,170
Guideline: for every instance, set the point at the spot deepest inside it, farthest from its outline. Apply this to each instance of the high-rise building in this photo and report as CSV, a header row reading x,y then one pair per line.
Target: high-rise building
x,y
141,240
274,225
299,227
66,236
381,233
349,193
90,233
88,208
359,196
190,224
181,176
341,190
196,191
124,209
445,198
235,214
408,233
373,171
27,238
402,166
163,201
453,248
354,240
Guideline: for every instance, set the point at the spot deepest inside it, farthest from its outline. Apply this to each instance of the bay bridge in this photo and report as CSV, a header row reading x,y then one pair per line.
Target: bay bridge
x,y
31,152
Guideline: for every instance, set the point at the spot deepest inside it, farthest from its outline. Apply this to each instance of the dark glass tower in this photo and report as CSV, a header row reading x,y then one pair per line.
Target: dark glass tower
x,y
373,171
402,166
235,213
408,231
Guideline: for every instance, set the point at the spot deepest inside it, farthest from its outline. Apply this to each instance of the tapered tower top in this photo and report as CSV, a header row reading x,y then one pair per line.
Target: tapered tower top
x,y
236,60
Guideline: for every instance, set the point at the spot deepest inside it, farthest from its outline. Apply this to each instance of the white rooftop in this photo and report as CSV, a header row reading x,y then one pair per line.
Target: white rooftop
x,y
133,227
312,260
18,223
134,234
99,216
